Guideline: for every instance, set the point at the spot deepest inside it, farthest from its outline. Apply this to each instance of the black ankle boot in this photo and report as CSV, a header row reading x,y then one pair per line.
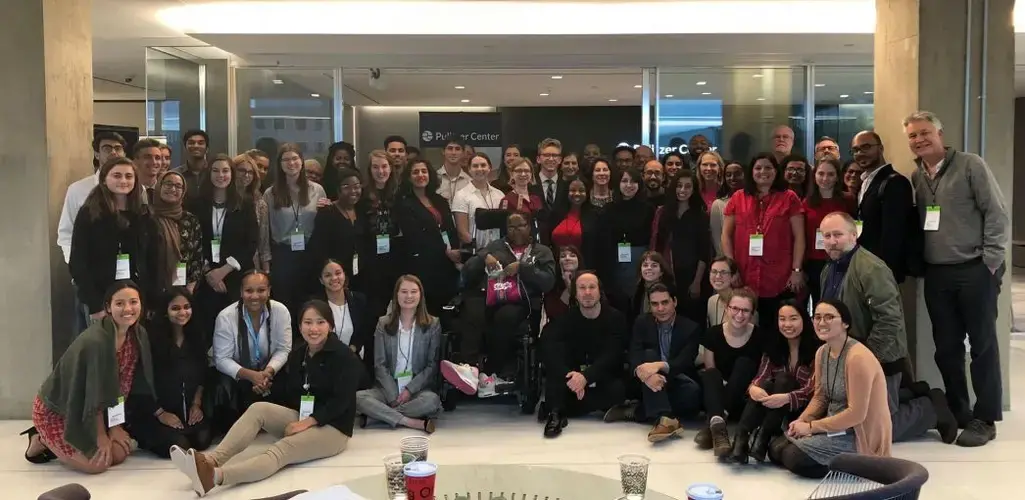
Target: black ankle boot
x,y
760,445
740,446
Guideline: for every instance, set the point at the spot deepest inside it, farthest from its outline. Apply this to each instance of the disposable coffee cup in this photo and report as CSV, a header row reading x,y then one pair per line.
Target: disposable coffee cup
x,y
704,491
414,449
420,478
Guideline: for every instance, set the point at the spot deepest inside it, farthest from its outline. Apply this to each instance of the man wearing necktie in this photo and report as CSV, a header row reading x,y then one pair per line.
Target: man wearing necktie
x,y
549,157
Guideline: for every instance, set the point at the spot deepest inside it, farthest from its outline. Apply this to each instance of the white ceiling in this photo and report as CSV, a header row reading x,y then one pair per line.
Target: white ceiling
x,y
497,70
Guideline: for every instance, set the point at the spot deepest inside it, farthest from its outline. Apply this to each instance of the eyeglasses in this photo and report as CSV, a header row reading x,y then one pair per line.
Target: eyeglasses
x,y
737,310
715,272
171,186
864,148
823,318
248,173
109,149
828,148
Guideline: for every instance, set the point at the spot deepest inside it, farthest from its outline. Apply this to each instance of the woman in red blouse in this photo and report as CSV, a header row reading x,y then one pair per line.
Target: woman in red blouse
x,y
825,197
519,198
783,385
577,225
763,231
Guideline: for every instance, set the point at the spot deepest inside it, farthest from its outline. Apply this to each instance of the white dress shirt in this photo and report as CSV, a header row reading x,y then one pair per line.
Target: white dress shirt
x,y
470,199
275,339
866,179
447,187
78,191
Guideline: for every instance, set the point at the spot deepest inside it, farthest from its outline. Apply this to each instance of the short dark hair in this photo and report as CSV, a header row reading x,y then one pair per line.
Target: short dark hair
x,y
394,138
623,148
258,153
660,287
107,136
457,141
144,144
778,184
194,132
573,285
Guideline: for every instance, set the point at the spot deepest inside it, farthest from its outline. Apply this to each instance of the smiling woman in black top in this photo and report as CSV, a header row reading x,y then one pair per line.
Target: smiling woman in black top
x,y
680,232
316,392
380,194
627,227
342,232
229,239
178,343
432,249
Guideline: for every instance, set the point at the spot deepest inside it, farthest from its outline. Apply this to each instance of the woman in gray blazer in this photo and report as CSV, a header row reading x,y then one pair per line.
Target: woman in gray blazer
x,y
407,346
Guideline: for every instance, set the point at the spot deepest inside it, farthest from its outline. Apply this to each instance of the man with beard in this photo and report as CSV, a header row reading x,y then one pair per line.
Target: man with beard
x,y
826,147
654,179
395,146
862,281
885,205
196,143
698,146
583,355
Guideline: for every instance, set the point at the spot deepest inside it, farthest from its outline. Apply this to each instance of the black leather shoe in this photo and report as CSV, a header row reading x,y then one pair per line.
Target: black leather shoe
x,y
741,449
946,422
555,424
760,445
977,433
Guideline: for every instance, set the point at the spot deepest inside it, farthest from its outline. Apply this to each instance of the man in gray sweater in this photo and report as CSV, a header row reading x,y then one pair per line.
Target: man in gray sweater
x,y
966,233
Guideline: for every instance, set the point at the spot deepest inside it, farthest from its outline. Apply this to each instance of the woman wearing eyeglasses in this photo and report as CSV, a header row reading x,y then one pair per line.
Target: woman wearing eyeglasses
x,y
247,173
180,252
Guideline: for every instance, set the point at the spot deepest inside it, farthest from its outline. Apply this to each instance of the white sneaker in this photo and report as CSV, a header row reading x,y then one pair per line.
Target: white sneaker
x,y
462,376
486,386
503,385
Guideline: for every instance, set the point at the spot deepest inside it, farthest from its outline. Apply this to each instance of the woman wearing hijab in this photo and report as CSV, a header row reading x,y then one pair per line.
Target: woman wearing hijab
x,y
180,252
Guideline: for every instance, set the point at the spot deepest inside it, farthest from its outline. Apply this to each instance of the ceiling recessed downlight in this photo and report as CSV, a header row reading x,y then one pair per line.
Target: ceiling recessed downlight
x,y
844,96
314,95
701,83
556,77
760,99
277,82
706,93
669,96
465,100
613,100
638,86
460,87
820,85
757,75
543,94
869,92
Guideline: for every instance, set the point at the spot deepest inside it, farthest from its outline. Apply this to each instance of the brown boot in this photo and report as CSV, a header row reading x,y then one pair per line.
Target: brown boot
x,y
202,475
665,428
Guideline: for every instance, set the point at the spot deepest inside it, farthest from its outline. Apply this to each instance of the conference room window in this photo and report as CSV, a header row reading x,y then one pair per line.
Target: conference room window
x,y
260,123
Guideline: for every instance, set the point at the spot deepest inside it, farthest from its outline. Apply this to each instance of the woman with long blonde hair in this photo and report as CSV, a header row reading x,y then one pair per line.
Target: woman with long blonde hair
x,y
247,173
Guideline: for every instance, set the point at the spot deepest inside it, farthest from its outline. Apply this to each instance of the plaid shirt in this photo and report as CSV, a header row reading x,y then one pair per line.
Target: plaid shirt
x,y
803,374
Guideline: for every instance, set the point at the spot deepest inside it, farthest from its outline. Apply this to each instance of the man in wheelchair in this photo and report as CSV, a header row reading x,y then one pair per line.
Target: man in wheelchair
x,y
583,356
500,302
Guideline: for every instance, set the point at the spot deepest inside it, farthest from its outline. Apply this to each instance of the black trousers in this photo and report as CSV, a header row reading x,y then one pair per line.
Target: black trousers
x,y
601,397
158,438
729,397
962,298
231,399
679,398
489,336
757,415
787,455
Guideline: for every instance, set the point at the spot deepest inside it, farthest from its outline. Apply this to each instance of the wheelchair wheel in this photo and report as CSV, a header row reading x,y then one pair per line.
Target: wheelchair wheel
x,y
528,402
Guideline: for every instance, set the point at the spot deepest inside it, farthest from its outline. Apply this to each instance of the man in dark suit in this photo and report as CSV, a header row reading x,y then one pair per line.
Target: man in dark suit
x,y
662,353
552,190
885,205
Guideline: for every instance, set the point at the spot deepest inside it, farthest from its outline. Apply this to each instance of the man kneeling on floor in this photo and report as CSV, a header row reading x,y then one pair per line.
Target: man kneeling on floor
x,y
662,353
582,352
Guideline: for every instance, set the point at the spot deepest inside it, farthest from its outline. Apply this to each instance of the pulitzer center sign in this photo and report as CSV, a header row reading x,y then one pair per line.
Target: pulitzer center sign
x,y
475,129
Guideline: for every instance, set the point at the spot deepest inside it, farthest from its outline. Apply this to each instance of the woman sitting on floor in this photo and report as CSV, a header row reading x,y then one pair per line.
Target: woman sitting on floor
x,y
317,395
79,413
849,412
407,345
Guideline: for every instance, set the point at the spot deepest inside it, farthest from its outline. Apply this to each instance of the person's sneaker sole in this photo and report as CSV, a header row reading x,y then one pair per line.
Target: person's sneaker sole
x,y
451,374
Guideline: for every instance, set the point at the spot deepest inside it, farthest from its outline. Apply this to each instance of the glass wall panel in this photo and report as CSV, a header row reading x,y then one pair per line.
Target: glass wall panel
x,y
277,106
736,109
174,96
843,103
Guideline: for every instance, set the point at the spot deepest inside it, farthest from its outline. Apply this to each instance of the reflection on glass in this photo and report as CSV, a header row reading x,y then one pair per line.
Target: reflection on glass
x,y
843,103
275,107
735,109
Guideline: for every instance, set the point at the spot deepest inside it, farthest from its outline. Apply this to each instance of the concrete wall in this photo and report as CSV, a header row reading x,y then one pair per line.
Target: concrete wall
x,y
122,113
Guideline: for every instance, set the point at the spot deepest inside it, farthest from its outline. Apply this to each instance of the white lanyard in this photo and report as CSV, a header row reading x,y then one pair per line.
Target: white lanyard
x,y
219,214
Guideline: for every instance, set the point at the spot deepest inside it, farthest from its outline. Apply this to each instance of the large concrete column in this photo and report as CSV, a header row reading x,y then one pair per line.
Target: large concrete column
x,y
956,59
46,112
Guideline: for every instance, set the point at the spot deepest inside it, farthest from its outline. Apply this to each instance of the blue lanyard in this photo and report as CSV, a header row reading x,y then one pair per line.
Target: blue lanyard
x,y
254,335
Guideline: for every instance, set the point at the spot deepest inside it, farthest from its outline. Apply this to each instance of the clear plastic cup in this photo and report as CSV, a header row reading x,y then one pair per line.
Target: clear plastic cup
x,y
394,477
633,474
414,448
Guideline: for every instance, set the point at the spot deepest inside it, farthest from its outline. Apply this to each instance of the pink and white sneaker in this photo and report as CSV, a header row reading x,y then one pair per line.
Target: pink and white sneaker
x,y
462,376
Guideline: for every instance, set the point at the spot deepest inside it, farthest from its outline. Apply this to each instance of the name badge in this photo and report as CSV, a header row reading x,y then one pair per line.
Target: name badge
x,y
756,245
444,237
305,407
179,275
355,264
932,218
859,227
298,241
215,250
404,378
116,413
625,254
820,240
123,270
383,244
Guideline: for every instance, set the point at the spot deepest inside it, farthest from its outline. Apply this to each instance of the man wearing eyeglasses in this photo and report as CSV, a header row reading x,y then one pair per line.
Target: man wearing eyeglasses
x,y
865,284
885,206
826,147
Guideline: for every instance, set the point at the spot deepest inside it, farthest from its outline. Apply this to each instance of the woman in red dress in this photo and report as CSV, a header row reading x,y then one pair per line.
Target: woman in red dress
x,y
519,198
826,196
79,414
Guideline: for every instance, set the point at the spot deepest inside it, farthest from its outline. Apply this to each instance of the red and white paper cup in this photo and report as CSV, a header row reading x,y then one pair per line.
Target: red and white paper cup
x,y
420,478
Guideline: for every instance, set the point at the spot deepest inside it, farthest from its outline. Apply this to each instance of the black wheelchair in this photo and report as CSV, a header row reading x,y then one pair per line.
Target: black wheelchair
x,y
528,384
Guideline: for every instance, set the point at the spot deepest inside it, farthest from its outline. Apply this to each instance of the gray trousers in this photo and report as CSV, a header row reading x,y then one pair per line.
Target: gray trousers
x,y
371,402
911,419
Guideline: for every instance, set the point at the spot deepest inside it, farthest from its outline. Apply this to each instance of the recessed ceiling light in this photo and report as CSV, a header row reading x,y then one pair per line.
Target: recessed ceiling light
x,y
613,100
556,77
701,83
706,93
278,82
820,85
314,95
869,92
638,86
460,87
844,96
543,94
760,99
669,96
757,75
465,100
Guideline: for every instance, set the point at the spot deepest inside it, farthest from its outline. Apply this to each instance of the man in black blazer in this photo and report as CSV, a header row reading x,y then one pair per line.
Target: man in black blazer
x,y
552,190
662,353
885,205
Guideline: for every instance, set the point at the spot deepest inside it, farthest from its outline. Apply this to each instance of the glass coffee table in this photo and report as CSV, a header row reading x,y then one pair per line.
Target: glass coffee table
x,y
508,482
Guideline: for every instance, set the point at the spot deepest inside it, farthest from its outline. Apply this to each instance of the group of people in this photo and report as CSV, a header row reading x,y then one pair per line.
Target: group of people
x,y
658,290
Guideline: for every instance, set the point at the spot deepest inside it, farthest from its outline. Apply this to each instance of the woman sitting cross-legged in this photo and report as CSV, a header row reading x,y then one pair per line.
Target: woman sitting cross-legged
x,y
407,345
783,385
316,395
79,413
180,371
848,413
